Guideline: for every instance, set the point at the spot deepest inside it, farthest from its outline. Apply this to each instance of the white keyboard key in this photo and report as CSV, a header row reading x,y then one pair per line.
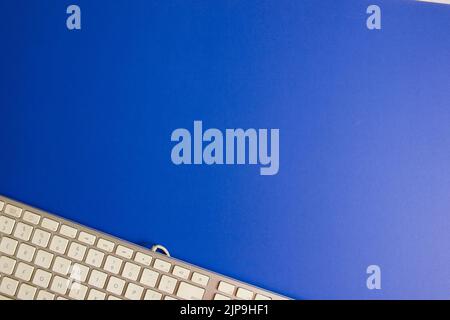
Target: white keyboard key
x,y
226,288
23,231
244,294
8,286
113,264
86,238
97,279
6,225
31,217
6,265
43,259
200,279
262,297
44,295
61,298
49,224
58,244
124,252
2,204
24,271
25,252
162,265
76,251
115,286
105,245
143,258
40,238
3,298
42,278
61,265
13,211
26,292
131,271
169,298
180,272
134,292
78,291
149,277
167,284
96,295
60,285
95,258
152,295
190,292
8,246
79,272
113,298
221,297
68,231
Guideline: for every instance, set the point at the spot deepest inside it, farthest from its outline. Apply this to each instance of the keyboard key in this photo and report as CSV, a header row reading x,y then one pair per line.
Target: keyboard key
x,y
131,271
58,244
105,245
24,271
44,295
167,284
169,298
42,278
96,295
25,252
8,286
40,238
190,292
6,225
115,286
8,246
134,292
23,231
113,264
124,252
180,272
78,291
226,288
97,279
76,251
68,231
262,297
161,265
244,294
221,297
152,295
13,211
26,292
43,259
200,279
143,258
113,298
31,217
79,272
7,265
61,266
86,238
49,224
95,258
60,285
149,277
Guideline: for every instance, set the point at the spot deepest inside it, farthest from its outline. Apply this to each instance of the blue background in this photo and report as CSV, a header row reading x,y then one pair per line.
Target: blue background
x,y
86,118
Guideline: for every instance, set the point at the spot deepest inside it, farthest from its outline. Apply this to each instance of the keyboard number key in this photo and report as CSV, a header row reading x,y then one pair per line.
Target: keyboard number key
x,y
8,246
40,238
6,225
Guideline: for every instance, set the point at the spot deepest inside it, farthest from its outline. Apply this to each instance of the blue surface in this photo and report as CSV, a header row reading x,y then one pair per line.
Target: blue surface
x,y
364,117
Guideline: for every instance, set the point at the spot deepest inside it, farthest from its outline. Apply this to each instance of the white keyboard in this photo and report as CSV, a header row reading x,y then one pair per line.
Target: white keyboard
x,y
45,257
